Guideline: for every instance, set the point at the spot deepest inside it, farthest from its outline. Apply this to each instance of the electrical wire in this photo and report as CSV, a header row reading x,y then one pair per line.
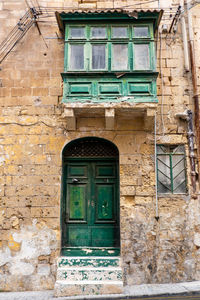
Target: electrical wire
x,y
155,162
123,6
50,12
100,9
28,20
18,38
13,31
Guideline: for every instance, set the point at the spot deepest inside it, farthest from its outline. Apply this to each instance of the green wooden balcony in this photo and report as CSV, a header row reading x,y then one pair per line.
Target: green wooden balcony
x,y
109,87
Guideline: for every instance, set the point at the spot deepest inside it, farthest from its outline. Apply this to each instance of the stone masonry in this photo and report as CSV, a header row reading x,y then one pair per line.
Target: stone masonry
x,y
33,133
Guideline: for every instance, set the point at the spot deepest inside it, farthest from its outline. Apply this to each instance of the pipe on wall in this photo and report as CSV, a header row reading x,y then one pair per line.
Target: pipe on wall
x,y
185,40
194,80
191,149
188,117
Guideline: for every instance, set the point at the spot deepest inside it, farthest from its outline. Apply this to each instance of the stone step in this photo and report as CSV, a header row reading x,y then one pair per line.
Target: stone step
x,y
88,275
85,274
64,288
89,261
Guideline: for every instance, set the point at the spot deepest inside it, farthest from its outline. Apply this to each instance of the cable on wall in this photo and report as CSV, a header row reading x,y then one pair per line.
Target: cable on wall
x,y
155,162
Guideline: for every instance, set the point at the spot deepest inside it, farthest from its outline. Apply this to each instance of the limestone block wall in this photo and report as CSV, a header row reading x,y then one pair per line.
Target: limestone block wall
x,y
193,212
33,134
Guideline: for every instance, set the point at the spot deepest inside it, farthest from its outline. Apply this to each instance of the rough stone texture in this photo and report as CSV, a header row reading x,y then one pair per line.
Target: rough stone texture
x,y
186,288
87,289
88,275
33,134
22,261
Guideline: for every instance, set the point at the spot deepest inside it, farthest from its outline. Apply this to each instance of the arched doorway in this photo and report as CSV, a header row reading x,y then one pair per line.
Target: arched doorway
x,y
90,198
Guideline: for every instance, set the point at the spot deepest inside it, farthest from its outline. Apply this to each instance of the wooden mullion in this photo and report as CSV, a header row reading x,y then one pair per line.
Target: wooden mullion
x,y
66,57
152,56
130,55
109,55
87,56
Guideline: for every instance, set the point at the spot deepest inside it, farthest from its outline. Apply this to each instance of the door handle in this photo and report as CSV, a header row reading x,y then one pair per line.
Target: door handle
x,y
75,180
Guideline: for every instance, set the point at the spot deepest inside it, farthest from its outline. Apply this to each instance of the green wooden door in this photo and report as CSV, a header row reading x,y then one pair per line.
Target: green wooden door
x,y
90,210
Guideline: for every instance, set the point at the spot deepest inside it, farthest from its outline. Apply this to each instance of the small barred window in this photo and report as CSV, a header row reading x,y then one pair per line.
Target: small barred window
x,y
171,171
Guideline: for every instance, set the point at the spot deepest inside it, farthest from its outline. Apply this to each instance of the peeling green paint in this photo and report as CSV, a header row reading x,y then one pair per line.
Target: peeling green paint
x,y
90,88
89,262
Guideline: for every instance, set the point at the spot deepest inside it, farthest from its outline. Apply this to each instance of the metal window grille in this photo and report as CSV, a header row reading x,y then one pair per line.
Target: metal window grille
x,y
91,147
171,171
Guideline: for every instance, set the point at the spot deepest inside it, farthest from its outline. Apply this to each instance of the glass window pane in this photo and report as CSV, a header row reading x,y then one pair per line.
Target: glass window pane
x,y
178,164
98,32
162,188
119,32
98,56
179,179
120,57
161,149
76,57
141,56
141,31
179,149
164,177
180,188
77,32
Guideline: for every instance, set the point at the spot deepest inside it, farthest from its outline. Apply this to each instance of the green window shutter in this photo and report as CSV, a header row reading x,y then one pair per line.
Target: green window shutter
x,y
171,171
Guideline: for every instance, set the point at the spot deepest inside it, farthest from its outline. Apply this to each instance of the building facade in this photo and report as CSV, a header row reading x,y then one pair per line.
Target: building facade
x,y
100,144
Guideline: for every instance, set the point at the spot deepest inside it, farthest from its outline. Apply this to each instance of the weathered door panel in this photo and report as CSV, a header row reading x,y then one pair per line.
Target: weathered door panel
x,y
105,200
77,206
78,236
91,204
104,236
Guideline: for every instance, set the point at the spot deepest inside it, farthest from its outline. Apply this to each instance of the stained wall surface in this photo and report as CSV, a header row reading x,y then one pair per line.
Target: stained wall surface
x,y
33,133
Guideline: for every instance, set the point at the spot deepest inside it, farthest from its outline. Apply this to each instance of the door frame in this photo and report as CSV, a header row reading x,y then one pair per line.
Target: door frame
x,y
87,251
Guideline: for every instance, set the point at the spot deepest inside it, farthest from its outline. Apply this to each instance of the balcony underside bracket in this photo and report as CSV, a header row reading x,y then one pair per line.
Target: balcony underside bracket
x,y
109,118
